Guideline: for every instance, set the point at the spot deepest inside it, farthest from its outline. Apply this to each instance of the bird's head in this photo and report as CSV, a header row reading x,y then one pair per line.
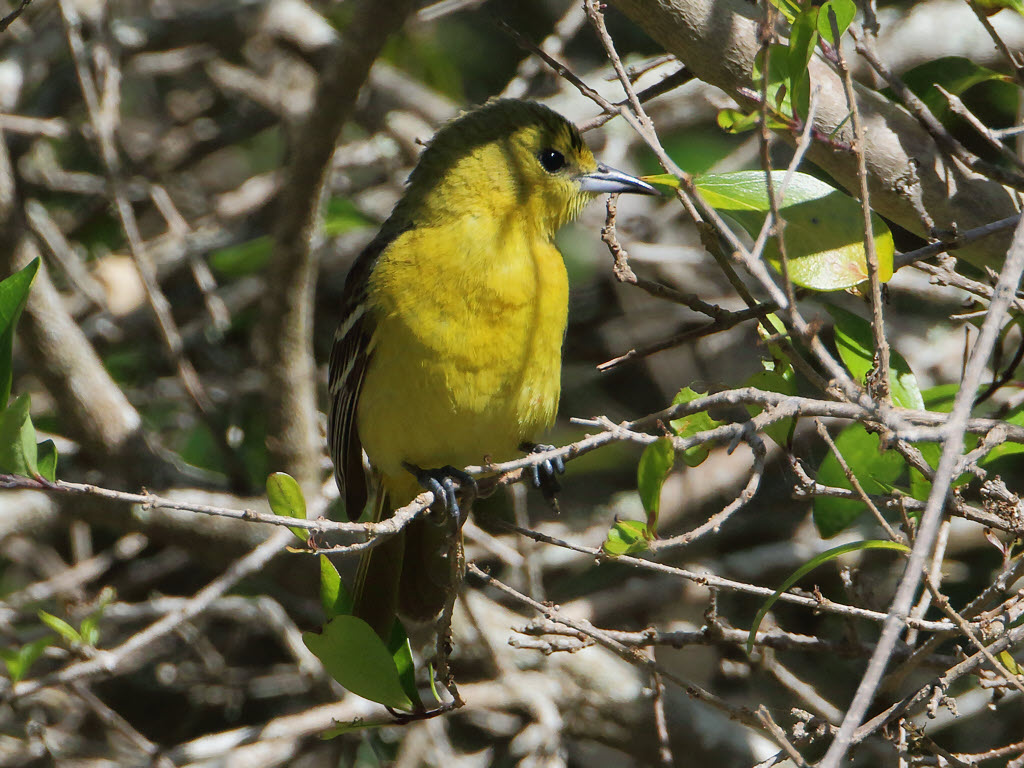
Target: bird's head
x,y
509,160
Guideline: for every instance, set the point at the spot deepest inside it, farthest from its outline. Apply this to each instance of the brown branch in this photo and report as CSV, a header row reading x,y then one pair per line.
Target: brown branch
x,y
286,331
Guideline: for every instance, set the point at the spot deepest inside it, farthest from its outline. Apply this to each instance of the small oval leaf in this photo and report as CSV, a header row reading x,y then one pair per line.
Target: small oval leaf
x,y
286,499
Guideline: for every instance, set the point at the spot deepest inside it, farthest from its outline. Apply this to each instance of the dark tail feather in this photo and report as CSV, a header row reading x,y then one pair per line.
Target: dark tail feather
x,y
375,598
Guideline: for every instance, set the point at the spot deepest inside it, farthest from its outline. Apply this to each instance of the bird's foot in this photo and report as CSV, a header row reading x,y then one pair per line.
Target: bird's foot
x,y
442,483
545,473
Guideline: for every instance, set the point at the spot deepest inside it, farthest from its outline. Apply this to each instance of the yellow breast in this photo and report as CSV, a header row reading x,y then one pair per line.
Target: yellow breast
x,y
466,355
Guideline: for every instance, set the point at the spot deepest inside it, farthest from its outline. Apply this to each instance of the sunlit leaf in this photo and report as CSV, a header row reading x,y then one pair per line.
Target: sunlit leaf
x,y
286,499
61,627
626,537
685,426
664,179
13,295
18,440
334,597
823,232
46,460
844,11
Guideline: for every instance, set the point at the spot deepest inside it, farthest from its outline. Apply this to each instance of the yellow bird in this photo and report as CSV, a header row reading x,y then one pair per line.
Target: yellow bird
x,y
450,346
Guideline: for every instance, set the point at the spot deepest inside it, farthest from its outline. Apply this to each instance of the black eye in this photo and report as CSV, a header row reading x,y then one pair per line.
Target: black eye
x,y
552,160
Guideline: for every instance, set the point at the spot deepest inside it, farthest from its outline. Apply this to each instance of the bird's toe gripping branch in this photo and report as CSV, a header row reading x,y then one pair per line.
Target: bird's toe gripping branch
x,y
442,483
545,473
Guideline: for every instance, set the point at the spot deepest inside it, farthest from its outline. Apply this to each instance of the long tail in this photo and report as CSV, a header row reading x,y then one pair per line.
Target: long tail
x,y
375,597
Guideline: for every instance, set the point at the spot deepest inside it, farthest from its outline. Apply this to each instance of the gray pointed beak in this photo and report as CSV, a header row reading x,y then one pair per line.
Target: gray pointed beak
x,y
607,180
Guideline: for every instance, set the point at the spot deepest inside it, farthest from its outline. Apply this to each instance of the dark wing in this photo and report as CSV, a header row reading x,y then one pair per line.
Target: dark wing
x,y
350,356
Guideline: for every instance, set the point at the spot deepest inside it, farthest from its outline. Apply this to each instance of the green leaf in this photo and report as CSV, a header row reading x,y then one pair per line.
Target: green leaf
x,y
788,8
89,630
626,537
691,425
18,661
956,74
655,464
855,342
783,381
735,121
809,566
61,627
242,259
779,79
1010,663
342,216
844,10
353,655
664,179
334,598
46,460
802,39
824,233
401,654
13,295
18,440
286,499
874,471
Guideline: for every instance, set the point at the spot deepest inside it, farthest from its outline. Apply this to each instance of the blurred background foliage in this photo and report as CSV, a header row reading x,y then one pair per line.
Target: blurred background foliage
x,y
210,96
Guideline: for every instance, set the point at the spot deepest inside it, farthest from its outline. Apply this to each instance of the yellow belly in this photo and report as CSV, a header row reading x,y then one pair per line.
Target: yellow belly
x,y
466,355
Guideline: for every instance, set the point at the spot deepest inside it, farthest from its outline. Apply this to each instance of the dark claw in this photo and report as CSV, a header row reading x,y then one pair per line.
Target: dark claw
x,y
544,473
441,482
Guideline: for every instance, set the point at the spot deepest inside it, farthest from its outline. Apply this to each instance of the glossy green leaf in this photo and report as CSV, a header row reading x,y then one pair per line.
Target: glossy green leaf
x,y
18,440
401,654
691,425
655,464
844,11
61,627
626,537
875,471
18,660
809,566
803,37
46,460
664,179
855,342
334,597
823,233
13,295
286,499
353,655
